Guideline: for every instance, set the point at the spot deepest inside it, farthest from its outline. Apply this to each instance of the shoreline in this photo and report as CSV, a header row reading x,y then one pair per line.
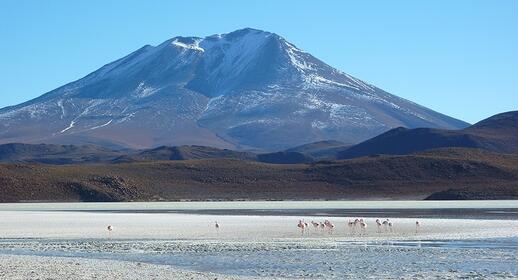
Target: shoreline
x,y
452,213
354,199
491,210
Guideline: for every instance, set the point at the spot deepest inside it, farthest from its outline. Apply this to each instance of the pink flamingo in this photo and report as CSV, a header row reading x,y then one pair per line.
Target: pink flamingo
x,y
329,225
385,225
356,223
363,226
301,225
417,225
109,228
350,224
378,224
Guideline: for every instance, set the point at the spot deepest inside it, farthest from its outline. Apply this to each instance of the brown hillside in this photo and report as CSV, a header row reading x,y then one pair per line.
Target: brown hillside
x,y
385,177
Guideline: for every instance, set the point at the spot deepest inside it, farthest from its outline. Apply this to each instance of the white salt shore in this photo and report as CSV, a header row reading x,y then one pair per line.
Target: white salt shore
x,y
70,225
77,245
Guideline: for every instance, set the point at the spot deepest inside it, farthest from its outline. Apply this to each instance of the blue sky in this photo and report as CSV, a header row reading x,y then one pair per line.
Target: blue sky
x,y
456,57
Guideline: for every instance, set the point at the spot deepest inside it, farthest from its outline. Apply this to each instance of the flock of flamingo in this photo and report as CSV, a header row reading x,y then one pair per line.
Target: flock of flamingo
x,y
358,225
355,226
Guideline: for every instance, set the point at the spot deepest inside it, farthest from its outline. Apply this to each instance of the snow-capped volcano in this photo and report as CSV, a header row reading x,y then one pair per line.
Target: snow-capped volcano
x,y
244,89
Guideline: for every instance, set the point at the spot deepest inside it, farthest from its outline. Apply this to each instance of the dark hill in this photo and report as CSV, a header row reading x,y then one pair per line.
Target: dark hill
x,y
505,122
498,133
56,154
418,176
322,149
186,153
401,141
285,158
90,154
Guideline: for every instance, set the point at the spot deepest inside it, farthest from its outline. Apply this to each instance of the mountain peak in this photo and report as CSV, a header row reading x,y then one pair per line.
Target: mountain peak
x,y
243,32
247,89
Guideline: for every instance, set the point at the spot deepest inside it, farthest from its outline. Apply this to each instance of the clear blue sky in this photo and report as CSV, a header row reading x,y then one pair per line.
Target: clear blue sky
x,y
457,57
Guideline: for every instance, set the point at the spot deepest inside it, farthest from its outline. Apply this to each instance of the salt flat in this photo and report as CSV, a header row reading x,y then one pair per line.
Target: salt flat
x,y
78,225
63,244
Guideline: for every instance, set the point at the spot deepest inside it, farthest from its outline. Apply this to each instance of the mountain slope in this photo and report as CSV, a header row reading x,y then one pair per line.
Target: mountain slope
x,y
56,154
184,153
247,89
498,133
90,154
321,149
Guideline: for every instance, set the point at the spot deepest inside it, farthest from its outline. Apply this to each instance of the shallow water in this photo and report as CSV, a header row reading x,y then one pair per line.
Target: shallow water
x,y
312,259
473,209
261,239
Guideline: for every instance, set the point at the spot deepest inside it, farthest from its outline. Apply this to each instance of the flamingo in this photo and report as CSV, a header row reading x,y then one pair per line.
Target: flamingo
x,y
301,225
216,225
363,226
390,226
350,224
378,224
356,223
109,228
385,225
315,224
417,225
329,225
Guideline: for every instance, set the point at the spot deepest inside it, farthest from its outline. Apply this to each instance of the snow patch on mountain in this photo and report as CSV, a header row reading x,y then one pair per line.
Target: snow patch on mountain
x,y
102,125
313,81
36,111
60,104
227,56
296,59
144,90
70,126
193,46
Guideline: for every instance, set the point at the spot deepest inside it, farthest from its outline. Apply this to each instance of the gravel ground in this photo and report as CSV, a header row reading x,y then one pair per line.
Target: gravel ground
x,y
37,267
